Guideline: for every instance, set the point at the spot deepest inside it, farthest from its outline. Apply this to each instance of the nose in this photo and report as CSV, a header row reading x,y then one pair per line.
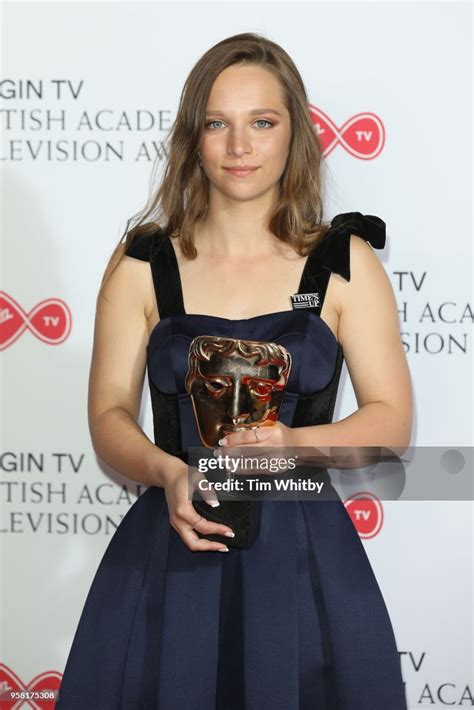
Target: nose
x,y
237,404
238,142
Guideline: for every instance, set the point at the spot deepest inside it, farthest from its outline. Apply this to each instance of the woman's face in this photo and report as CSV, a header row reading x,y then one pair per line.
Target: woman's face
x,y
247,124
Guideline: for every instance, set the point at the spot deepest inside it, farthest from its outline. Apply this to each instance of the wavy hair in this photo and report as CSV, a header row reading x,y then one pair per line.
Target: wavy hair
x,y
183,194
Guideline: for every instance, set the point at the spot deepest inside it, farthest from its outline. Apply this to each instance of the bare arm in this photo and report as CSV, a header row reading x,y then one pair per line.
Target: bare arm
x,y
117,375
369,334
115,389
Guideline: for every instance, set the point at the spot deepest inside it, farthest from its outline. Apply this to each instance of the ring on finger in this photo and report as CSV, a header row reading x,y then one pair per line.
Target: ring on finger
x,y
200,518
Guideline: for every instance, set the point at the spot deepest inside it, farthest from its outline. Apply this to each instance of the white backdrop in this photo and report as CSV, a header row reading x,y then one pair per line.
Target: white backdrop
x,y
76,162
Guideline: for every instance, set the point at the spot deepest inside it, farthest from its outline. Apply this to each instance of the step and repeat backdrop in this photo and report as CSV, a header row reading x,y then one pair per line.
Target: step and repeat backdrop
x,y
88,93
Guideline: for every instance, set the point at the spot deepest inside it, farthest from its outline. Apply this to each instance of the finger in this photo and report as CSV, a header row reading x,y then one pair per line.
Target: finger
x,y
187,516
205,527
209,527
207,492
248,437
199,544
200,483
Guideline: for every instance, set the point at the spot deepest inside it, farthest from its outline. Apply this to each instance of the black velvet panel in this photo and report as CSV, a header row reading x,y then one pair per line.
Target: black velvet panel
x,y
166,422
319,408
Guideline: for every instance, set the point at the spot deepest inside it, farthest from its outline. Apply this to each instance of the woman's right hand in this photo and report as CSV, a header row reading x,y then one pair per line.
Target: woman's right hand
x,y
184,518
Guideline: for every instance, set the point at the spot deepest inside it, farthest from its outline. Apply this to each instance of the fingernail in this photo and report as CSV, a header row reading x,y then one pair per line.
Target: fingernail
x,y
215,503
229,534
216,452
222,442
223,549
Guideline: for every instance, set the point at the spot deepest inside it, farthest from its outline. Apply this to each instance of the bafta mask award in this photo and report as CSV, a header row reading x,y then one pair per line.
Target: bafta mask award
x,y
234,385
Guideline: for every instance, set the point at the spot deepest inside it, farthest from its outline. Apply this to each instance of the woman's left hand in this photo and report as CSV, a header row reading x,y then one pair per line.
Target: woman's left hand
x,y
266,435
259,443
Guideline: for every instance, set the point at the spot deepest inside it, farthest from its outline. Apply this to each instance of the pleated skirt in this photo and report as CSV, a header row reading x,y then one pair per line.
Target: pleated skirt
x,y
296,622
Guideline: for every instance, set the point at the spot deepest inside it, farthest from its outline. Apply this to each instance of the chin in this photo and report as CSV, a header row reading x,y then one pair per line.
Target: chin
x,y
244,193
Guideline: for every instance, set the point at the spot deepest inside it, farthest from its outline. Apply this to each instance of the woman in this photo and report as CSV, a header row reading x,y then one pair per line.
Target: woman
x,y
296,620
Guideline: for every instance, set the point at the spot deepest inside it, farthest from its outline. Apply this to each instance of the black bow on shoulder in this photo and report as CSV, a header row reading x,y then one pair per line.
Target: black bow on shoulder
x,y
336,242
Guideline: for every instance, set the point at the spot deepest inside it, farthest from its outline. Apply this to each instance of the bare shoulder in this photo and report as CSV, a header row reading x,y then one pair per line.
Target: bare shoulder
x,y
366,302
128,278
368,279
120,338
369,332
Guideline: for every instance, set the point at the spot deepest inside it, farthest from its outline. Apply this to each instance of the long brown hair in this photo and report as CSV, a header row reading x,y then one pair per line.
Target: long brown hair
x,y
182,197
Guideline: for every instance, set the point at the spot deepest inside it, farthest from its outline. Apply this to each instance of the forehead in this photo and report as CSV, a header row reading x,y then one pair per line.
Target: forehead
x,y
235,364
245,87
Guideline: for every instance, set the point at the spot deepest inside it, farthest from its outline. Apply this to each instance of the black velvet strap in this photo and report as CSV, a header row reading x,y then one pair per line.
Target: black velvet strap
x,y
335,254
315,280
332,253
166,278
140,247
156,248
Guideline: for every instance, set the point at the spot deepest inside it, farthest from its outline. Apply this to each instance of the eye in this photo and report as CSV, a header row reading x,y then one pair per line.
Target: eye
x,y
264,120
259,120
215,387
209,123
262,389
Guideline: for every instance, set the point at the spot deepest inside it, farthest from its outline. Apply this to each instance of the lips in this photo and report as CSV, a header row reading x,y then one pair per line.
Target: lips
x,y
241,171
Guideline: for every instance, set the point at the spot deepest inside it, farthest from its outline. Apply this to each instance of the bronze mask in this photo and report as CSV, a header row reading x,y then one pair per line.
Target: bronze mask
x,y
235,384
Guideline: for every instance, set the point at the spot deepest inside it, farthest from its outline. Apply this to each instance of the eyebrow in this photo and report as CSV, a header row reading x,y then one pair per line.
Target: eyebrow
x,y
254,111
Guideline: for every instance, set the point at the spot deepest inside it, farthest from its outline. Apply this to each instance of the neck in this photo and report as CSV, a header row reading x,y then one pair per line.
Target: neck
x,y
236,229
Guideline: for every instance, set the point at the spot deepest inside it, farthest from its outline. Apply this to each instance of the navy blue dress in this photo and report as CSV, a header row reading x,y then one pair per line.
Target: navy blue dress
x,y
295,622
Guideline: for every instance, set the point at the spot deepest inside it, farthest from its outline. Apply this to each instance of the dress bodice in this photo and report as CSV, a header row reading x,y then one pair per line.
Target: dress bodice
x,y
316,355
305,335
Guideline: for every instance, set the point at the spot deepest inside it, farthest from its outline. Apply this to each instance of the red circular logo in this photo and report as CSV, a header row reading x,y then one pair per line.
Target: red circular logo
x,y
366,512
